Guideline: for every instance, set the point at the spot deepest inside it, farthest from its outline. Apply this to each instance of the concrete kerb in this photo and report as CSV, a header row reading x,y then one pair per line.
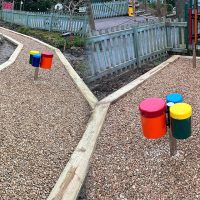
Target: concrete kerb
x,y
85,91
15,54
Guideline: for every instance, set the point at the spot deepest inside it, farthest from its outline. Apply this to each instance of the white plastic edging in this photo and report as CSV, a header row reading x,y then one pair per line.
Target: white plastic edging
x,y
15,54
85,91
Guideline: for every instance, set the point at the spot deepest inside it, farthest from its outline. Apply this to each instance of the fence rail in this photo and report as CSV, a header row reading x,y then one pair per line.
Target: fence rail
x,y
47,21
110,9
113,50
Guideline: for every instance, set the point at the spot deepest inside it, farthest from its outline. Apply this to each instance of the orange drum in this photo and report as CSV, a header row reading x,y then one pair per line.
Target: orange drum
x,y
153,117
46,60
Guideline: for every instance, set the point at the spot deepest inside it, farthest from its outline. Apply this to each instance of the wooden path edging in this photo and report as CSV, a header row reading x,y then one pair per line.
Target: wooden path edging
x,y
75,172
85,91
15,54
71,180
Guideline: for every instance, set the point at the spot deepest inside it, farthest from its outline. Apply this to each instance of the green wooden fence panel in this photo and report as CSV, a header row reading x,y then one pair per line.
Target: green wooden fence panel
x,y
47,21
119,48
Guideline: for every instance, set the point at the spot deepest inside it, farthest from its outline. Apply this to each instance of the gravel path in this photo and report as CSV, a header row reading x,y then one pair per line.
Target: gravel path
x,y
41,124
127,166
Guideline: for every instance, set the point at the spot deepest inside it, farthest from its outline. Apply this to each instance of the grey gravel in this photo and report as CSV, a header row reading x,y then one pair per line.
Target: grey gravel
x,y
125,165
41,124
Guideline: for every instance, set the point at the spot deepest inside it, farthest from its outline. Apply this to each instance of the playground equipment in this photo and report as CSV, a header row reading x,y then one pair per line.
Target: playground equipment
x,y
46,60
157,115
43,60
153,117
31,55
131,8
192,17
180,117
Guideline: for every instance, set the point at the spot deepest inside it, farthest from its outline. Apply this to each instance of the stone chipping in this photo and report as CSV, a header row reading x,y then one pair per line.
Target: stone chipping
x,y
126,166
41,124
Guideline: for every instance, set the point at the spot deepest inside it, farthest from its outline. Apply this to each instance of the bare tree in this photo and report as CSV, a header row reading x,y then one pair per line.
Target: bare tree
x,y
90,15
158,8
72,5
180,8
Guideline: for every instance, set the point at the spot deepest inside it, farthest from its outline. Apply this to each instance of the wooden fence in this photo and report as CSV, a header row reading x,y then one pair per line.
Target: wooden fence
x,y
110,9
116,49
47,21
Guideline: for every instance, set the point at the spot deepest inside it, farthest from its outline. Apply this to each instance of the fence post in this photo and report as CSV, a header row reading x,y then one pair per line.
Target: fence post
x,y
186,29
136,47
12,17
51,21
27,19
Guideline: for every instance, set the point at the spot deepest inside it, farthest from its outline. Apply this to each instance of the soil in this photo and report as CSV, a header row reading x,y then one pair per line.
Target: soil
x,y
77,57
6,50
108,85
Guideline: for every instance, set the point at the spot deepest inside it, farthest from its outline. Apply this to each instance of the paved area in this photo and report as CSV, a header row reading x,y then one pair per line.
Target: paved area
x,y
117,21
41,124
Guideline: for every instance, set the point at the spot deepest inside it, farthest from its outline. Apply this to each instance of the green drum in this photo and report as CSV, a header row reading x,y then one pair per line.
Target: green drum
x,y
180,116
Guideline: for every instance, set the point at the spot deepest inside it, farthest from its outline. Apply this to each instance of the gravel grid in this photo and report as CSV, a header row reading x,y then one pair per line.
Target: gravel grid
x,y
126,166
41,124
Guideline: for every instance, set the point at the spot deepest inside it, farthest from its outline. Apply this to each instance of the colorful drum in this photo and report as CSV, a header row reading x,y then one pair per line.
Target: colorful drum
x,y
174,98
180,117
46,60
31,55
153,117
36,60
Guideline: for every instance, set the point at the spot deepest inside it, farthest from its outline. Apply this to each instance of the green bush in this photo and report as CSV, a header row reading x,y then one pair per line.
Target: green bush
x,y
53,38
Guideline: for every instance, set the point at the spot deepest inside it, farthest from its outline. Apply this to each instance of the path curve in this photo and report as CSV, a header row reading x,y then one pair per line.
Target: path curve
x,y
41,124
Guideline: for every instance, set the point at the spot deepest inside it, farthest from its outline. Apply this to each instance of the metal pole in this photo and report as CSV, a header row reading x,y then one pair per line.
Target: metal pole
x,y
194,55
36,73
172,143
2,5
172,140
13,4
21,2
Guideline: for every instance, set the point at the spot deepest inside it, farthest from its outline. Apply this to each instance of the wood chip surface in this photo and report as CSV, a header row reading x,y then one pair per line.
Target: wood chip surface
x,y
41,124
126,166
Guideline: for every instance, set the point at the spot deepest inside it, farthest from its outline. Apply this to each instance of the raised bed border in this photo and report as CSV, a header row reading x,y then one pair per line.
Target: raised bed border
x,y
14,55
